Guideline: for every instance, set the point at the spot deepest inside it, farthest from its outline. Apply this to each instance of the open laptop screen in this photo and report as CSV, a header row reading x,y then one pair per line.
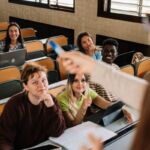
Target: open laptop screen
x,y
13,58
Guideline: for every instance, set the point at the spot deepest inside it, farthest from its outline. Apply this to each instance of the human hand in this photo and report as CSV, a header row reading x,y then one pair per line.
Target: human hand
x,y
127,115
76,62
86,103
96,143
48,100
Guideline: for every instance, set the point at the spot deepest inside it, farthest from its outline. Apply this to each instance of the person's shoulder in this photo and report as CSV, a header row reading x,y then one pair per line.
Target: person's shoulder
x,y
62,95
16,99
115,66
91,91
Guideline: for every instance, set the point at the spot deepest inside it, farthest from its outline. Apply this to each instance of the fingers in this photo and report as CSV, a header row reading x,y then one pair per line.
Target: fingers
x,y
96,144
48,101
84,148
128,116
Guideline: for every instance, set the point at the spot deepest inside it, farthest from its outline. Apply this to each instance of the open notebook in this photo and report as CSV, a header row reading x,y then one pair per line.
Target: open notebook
x,y
73,138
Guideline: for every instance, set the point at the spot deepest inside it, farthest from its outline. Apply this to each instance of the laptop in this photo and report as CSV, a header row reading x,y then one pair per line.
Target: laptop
x,y
13,58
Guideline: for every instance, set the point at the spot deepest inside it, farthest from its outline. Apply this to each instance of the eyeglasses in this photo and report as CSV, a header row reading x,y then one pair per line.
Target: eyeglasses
x,y
77,81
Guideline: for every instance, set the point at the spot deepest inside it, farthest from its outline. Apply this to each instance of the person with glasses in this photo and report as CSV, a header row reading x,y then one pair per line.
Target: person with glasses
x,y
77,98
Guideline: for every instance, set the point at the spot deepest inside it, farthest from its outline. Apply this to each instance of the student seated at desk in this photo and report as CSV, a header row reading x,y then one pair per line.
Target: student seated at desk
x,y
31,116
76,99
13,39
86,46
109,53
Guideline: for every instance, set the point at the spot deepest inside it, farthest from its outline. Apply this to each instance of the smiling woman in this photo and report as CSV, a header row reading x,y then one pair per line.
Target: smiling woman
x,y
13,39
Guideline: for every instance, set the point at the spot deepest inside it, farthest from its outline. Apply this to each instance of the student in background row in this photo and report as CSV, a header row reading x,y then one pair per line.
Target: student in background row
x,y
13,38
86,46
109,54
137,57
77,98
31,116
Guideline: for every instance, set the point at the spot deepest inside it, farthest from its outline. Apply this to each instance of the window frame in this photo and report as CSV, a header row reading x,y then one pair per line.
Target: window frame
x,y
42,5
108,14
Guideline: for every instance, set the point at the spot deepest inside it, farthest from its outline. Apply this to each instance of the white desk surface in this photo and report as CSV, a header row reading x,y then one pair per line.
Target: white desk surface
x,y
43,40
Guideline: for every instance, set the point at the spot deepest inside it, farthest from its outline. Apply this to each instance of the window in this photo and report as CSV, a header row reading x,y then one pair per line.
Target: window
x,y
130,10
66,5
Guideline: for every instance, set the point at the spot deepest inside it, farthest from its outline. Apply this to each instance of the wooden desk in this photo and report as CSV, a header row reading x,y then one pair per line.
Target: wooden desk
x,y
57,90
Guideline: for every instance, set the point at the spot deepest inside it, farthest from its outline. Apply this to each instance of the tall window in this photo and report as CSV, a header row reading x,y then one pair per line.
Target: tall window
x,y
131,10
67,5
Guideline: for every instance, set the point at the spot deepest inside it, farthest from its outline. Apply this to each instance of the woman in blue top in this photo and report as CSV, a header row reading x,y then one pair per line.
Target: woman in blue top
x,y
86,46
13,38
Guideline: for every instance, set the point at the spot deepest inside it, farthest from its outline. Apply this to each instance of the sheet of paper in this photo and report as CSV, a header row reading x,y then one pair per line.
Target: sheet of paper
x,y
73,138
130,89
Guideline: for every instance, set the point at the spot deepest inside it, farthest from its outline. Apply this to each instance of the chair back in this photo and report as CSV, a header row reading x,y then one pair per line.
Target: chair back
x,y
143,67
9,88
35,49
2,35
9,73
61,40
28,33
129,69
50,64
4,26
62,71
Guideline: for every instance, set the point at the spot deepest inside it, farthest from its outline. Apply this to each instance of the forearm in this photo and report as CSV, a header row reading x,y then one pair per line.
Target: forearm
x,y
58,126
80,116
102,103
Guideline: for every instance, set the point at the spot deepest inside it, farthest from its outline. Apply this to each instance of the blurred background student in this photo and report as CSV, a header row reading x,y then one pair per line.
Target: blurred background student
x,y
13,38
86,45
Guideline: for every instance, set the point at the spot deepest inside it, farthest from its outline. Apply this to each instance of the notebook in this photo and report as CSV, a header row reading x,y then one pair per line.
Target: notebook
x,y
75,137
13,58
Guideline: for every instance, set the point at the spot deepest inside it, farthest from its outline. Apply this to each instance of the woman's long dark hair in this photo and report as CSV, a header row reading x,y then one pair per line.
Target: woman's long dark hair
x,y
79,44
8,40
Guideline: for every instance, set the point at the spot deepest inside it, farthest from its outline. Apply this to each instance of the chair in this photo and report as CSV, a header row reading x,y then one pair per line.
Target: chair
x,y
142,67
28,34
57,90
9,88
62,71
9,83
129,69
2,35
4,26
35,49
61,40
124,58
1,108
9,73
51,65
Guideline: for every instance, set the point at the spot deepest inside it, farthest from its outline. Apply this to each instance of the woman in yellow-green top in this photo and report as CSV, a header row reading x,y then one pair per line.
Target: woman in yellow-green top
x,y
76,99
